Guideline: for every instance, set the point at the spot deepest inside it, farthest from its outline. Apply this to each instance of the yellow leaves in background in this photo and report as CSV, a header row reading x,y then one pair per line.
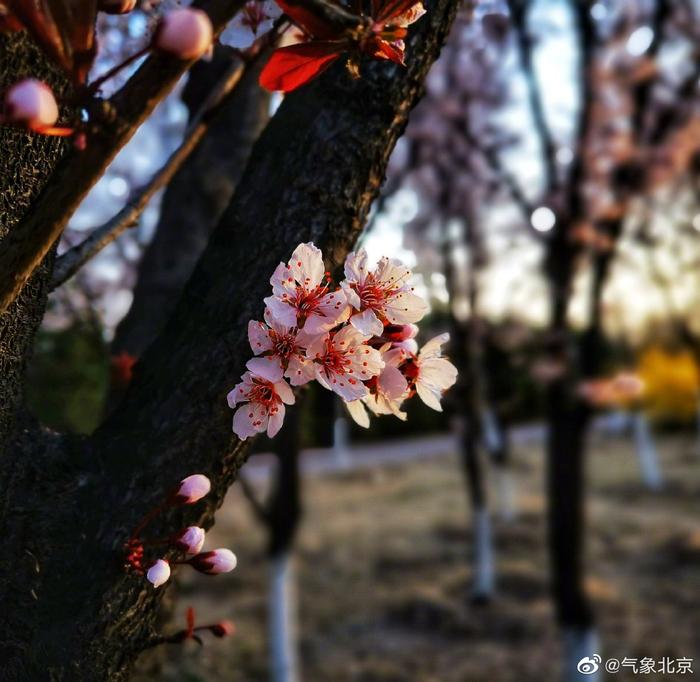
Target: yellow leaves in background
x,y
671,381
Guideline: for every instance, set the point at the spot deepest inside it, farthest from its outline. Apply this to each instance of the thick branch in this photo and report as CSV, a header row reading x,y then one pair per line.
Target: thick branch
x,y
30,241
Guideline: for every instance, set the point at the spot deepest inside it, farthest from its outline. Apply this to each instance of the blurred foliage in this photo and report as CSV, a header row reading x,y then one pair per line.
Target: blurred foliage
x,y
671,380
68,376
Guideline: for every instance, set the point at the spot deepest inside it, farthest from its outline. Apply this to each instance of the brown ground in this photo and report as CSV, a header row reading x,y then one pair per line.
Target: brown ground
x,y
384,576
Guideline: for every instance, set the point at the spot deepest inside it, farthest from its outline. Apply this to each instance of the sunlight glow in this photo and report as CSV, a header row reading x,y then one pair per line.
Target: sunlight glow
x,y
543,219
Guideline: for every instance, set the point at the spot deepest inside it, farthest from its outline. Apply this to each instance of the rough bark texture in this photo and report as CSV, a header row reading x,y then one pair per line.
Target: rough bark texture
x,y
71,612
194,201
26,161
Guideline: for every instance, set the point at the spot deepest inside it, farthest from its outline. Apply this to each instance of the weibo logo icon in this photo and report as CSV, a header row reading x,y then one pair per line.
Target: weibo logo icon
x,y
589,665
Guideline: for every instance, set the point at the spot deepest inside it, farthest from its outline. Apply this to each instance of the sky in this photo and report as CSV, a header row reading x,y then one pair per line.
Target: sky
x,y
510,285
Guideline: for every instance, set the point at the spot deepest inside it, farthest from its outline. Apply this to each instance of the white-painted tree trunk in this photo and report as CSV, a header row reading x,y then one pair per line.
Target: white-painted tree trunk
x,y
646,452
505,493
282,615
341,452
503,478
493,438
484,580
582,654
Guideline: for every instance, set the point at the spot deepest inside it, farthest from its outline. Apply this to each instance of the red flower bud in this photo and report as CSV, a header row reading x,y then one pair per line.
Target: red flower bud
x,y
222,629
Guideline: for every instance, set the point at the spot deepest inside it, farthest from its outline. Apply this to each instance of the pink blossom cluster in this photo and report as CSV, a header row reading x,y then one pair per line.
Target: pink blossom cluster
x,y
356,339
188,541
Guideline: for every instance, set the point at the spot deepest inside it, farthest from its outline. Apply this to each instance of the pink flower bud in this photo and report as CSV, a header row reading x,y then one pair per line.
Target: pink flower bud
x,y
191,540
31,103
185,33
400,332
222,629
116,6
192,489
214,562
158,573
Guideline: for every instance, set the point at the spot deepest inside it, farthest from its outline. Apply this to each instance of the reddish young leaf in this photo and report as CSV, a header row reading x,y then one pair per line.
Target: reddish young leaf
x,y
292,66
308,21
65,30
387,10
381,49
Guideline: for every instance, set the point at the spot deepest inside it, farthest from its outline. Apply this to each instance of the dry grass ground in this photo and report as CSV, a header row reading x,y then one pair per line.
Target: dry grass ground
x,y
383,561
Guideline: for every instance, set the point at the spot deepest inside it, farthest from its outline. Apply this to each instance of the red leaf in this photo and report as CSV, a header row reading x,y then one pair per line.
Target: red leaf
x,y
381,49
308,21
64,29
292,66
391,8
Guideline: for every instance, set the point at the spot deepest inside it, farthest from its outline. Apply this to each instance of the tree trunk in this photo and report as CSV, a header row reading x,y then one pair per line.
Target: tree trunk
x,y
70,610
195,199
465,352
26,162
283,523
646,452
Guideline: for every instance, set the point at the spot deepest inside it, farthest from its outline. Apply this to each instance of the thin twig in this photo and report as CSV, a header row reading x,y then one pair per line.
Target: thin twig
x,y
73,259
259,509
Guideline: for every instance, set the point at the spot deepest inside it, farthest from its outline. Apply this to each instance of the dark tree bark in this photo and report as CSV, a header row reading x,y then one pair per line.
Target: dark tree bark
x,y
26,162
71,612
195,200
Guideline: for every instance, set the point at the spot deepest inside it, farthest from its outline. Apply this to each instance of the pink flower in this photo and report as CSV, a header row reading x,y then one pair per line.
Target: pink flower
x,y
214,562
31,103
262,405
193,488
158,573
282,351
429,373
382,296
191,540
301,299
386,391
342,362
185,33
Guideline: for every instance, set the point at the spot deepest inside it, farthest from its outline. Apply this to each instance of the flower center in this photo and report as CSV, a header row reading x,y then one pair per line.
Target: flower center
x,y
262,393
335,361
283,344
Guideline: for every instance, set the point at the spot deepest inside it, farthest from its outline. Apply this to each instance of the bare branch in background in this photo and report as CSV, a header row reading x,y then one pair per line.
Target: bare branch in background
x,y
73,259
119,118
